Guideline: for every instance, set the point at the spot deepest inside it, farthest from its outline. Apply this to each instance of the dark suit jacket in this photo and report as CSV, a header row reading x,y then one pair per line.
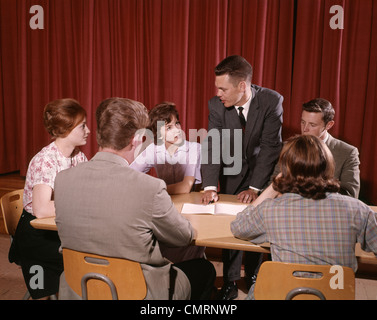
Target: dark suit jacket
x,y
255,152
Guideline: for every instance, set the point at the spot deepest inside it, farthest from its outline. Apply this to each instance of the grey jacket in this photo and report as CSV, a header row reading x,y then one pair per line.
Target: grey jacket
x,y
106,208
347,163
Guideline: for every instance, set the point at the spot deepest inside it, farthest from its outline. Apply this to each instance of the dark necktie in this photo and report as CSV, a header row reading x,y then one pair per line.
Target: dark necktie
x,y
242,118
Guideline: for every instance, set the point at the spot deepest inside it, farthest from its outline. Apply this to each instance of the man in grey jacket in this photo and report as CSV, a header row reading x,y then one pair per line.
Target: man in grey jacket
x,y
106,208
316,119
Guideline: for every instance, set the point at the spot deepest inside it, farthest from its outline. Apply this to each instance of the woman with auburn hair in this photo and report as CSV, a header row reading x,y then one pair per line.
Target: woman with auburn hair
x,y
308,169
309,222
65,121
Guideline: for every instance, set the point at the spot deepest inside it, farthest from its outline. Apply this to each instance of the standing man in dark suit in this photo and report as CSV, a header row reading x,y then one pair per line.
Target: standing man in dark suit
x,y
248,120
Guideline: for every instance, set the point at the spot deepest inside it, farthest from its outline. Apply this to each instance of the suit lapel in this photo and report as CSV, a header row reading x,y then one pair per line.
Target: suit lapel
x,y
252,116
330,142
232,118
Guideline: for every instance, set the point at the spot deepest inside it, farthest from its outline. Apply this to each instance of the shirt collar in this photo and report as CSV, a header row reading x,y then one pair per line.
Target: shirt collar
x,y
112,157
326,138
246,105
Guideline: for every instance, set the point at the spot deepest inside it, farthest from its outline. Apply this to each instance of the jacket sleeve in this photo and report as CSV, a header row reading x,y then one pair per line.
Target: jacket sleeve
x,y
211,153
350,175
169,226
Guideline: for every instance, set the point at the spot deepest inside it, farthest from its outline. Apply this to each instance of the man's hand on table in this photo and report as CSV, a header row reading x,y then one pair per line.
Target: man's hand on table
x,y
209,196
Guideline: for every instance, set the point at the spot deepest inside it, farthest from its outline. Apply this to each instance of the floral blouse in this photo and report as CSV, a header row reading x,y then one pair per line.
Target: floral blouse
x,y
43,169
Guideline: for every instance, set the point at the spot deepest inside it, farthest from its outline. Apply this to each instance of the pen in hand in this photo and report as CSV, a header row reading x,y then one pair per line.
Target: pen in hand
x,y
212,201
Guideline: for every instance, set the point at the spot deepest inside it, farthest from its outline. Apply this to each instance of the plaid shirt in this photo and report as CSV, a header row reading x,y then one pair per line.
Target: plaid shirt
x,y
308,231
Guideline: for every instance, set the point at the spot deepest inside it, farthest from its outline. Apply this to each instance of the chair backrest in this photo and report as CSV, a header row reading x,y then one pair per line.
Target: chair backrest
x,y
11,208
281,281
100,273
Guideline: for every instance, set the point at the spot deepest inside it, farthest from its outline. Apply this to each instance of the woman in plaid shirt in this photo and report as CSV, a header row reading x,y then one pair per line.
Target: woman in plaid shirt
x,y
302,215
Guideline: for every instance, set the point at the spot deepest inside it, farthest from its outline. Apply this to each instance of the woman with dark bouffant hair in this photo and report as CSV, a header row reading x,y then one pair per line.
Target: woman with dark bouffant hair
x,y
176,160
302,214
65,121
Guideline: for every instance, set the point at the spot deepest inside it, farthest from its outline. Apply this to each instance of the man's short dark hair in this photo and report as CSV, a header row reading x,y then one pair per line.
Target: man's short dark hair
x,y
320,105
236,67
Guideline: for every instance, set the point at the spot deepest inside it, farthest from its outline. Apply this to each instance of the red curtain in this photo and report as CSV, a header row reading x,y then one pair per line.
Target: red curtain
x,y
155,50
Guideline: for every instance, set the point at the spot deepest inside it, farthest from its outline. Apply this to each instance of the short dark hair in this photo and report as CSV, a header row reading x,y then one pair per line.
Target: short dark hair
x,y
163,111
61,116
307,168
320,105
118,119
236,67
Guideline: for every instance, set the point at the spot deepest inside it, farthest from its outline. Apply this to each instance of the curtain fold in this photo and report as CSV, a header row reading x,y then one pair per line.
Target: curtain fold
x,y
360,121
155,50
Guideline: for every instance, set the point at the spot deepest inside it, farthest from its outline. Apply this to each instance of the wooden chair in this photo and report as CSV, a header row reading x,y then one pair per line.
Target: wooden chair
x,y
11,209
285,281
11,205
95,277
